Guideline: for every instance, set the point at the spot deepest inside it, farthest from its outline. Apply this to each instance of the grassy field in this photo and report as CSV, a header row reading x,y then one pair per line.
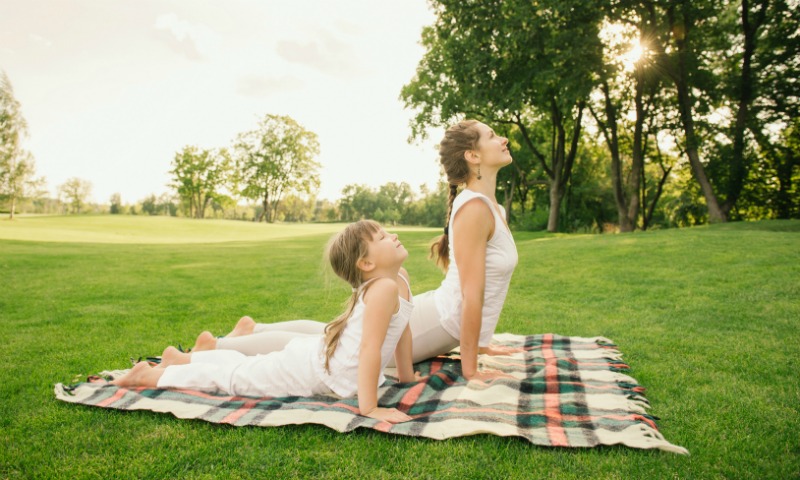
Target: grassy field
x,y
707,318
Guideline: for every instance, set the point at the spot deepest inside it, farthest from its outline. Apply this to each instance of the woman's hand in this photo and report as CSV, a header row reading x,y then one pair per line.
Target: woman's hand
x,y
488,375
391,415
418,377
499,350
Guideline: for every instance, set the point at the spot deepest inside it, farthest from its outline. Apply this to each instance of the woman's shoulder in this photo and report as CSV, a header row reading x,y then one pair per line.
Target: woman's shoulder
x,y
474,208
471,197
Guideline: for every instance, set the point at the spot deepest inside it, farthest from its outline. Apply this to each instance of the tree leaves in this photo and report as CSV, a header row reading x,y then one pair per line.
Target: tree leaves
x,y
275,159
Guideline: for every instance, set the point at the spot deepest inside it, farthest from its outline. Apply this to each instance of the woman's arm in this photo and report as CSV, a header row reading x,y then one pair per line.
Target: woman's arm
x,y
403,351
473,225
402,358
380,304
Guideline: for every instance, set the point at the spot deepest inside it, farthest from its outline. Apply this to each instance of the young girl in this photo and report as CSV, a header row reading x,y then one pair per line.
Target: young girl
x,y
348,358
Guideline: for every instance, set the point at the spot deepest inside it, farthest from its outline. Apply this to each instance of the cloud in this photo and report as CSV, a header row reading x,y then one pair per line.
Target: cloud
x,y
192,40
327,54
39,40
262,86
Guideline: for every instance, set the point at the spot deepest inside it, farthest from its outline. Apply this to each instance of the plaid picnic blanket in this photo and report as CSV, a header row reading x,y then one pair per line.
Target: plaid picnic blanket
x,y
567,392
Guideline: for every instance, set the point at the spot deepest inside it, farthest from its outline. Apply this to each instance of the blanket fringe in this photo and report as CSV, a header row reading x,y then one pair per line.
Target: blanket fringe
x,y
639,436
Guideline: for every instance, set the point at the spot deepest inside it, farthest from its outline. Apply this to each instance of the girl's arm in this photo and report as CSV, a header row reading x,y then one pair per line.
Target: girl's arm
x,y
380,304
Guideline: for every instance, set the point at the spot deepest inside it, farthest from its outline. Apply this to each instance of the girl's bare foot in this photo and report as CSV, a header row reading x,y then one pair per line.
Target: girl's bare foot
x,y
205,341
141,375
173,356
244,326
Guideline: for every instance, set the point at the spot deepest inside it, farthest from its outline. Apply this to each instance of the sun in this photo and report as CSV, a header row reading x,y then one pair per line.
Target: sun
x,y
634,55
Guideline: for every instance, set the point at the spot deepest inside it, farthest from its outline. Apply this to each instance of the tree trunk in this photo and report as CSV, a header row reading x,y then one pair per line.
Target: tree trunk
x,y
556,194
264,209
637,153
738,164
715,213
611,134
785,163
13,206
509,199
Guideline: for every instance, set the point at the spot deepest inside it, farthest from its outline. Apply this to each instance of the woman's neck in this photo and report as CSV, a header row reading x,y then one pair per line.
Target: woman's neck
x,y
487,185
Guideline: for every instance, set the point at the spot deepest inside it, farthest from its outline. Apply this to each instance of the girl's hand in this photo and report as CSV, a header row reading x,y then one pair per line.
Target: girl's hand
x,y
502,350
391,415
488,375
418,377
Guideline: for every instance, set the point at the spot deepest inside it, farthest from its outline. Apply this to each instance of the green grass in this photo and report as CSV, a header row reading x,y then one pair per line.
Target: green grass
x,y
707,317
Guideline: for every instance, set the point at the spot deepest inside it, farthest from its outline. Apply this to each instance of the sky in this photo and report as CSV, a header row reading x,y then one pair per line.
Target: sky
x,y
112,89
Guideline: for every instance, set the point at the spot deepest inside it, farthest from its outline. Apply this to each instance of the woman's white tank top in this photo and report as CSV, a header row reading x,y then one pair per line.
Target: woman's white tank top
x,y
343,376
501,259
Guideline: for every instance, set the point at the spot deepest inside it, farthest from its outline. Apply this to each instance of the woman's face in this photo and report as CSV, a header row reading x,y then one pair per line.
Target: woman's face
x,y
492,148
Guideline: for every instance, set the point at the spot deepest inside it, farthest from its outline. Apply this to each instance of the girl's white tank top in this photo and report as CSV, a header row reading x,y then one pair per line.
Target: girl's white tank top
x,y
343,375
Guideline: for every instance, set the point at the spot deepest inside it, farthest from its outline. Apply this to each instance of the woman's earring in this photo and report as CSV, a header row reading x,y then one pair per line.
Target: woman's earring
x,y
479,172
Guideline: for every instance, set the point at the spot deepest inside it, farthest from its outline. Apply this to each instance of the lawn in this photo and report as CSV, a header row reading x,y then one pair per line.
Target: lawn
x,y
707,318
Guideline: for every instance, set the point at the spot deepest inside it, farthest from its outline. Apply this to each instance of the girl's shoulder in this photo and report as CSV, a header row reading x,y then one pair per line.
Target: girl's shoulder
x,y
381,289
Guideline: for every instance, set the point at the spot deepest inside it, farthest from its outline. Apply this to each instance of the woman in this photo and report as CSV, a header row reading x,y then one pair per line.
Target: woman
x,y
477,252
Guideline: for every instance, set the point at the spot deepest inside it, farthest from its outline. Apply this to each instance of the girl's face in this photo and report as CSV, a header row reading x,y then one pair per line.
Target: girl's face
x,y
385,250
492,148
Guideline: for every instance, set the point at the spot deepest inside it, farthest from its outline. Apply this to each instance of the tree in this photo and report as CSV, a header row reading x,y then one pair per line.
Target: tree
x,y
512,62
17,167
357,202
629,83
431,207
721,56
776,68
294,208
276,159
394,199
150,205
166,204
199,177
75,192
116,207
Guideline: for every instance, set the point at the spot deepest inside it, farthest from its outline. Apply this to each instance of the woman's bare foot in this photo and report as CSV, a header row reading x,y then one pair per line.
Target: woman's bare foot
x,y
205,341
244,326
141,375
173,356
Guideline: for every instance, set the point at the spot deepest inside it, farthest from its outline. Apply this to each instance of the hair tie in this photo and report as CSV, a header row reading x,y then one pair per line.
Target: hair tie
x,y
446,230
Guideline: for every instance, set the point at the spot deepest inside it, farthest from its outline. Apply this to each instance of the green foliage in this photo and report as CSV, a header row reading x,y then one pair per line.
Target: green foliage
x,y
17,168
710,330
199,177
275,159
75,193
772,189
394,203
717,80
589,201
294,208
522,63
116,204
